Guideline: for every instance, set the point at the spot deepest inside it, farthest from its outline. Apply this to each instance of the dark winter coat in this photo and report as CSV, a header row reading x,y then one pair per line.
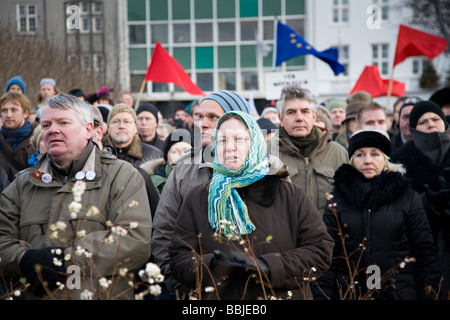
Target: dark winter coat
x,y
277,208
386,218
420,171
16,160
138,153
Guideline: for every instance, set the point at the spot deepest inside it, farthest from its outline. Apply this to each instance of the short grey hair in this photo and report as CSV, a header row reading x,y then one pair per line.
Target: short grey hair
x,y
295,92
67,101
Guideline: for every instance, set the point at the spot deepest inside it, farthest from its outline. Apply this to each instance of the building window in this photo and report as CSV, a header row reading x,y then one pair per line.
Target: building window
x,y
26,18
214,40
226,31
380,57
86,17
418,65
344,58
99,62
339,11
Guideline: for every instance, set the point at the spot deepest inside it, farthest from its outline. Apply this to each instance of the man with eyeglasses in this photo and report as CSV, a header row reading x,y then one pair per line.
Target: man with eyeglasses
x,y
192,169
123,139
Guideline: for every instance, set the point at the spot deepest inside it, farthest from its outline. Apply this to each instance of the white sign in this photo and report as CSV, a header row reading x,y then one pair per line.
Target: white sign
x,y
275,81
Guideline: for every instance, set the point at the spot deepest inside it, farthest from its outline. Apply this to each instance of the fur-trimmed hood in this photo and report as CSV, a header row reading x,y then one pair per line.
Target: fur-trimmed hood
x,y
150,166
362,193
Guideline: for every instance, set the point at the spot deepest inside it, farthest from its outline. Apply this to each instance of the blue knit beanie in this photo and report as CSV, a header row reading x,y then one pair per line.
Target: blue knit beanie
x,y
16,80
229,101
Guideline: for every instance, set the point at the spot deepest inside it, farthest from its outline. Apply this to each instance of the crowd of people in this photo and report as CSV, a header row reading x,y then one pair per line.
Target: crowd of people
x,y
297,203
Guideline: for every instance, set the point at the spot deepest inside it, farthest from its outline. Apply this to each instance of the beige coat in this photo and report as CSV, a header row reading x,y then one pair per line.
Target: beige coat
x,y
315,172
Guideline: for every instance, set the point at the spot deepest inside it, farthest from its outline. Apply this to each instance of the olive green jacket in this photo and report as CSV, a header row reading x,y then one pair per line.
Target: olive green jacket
x,y
315,172
29,206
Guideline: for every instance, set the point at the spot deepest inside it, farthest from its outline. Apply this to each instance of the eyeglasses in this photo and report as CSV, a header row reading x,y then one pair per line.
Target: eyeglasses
x,y
237,141
117,122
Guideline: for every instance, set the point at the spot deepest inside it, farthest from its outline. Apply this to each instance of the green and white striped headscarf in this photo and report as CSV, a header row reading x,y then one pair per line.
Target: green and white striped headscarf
x,y
224,202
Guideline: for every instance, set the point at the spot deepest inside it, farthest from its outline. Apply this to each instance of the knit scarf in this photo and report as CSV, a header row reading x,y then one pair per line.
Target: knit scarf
x,y
434,144
227,212
304,145
15,137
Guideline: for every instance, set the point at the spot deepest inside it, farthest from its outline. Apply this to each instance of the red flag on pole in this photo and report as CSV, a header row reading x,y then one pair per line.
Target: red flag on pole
x,y
164,68
412,43
371,82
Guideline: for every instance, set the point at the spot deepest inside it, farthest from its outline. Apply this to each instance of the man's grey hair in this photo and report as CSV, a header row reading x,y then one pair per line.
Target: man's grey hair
x,y
295,92
67,101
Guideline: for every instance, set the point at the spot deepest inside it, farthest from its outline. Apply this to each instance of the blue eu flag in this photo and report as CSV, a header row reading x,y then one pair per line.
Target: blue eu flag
x,y
288,44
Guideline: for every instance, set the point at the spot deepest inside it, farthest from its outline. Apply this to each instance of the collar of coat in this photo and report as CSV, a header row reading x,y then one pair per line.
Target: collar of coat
x,y
362,193
265,190
287,147
419,168
133,150
93,163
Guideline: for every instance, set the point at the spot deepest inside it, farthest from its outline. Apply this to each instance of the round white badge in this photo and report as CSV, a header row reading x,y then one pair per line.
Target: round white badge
x,y
90,175
80,175
46,178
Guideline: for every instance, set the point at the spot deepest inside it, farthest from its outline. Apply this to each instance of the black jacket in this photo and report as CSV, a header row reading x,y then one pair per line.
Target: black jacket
x,y
420,171
383,222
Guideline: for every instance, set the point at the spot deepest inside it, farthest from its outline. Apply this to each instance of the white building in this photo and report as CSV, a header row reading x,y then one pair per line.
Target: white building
x,y
214,41
348,24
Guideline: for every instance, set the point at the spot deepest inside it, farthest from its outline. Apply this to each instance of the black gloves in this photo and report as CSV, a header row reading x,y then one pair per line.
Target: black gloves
x,y
232,262
50,272
440,199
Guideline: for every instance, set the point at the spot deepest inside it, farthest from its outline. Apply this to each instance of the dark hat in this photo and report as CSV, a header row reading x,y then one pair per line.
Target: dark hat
x,y
104,110
77,93
98,117
266,125
16,80
422,107
373,138
441,97
179,135
411,101
147,106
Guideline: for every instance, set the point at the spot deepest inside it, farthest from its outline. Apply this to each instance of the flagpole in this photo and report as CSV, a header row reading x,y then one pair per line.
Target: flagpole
x,y
391,80
274,54
138,100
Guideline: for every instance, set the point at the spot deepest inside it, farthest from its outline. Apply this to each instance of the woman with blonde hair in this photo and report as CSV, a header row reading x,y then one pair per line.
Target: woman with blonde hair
x,y
376,219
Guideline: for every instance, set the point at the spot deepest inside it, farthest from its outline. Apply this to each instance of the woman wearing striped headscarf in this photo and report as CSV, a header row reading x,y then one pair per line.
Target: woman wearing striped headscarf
x,y
247,226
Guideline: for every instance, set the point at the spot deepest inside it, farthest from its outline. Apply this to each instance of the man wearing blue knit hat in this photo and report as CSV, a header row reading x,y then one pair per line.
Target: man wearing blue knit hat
x,y
16,84
192,169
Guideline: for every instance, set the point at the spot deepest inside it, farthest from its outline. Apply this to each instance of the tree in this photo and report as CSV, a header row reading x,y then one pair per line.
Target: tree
x,y
34,59
432,15
429,78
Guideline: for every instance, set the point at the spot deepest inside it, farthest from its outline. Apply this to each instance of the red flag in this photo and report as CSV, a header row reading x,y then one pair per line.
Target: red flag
x,y
371,82
412,43
164,68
